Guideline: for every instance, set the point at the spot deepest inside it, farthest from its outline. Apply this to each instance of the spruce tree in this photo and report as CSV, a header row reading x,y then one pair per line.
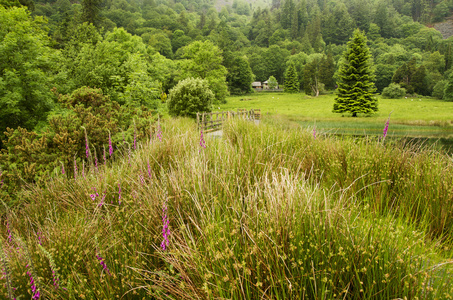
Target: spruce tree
x,y
355,93
291,80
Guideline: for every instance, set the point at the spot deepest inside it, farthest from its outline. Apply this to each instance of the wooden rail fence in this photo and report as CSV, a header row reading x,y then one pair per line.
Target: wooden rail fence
x,y
209,122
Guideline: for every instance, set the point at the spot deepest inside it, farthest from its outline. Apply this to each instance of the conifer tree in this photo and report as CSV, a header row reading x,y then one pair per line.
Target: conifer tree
x,y
355,85
291,80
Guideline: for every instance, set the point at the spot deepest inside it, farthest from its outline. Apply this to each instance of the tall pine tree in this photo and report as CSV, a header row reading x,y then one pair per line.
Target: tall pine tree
x,y
355,93
291,80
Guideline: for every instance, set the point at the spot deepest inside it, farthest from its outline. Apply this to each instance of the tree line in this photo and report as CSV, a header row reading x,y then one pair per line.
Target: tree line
x,y
136,51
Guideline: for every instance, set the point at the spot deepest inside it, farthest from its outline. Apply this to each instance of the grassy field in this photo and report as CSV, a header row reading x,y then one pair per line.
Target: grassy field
x,y
415,117
264,212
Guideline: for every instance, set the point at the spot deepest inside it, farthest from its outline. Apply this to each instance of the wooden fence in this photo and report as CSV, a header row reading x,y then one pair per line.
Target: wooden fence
x,y
209,122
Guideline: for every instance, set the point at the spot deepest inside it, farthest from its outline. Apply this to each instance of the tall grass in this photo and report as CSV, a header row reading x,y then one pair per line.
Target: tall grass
x,y
264,212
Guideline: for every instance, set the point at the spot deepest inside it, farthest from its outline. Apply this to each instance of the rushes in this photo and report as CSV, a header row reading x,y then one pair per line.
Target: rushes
x,y
267,213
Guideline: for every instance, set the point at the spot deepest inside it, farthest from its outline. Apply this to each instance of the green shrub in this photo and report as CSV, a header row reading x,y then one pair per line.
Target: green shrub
x,y
190,96
438,90
393,91
31,157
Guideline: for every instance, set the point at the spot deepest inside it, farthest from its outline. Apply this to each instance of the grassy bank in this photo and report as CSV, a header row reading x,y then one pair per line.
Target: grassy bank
x,y
263,212
410,117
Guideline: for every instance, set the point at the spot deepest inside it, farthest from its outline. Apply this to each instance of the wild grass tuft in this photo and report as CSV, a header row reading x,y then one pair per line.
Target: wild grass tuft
x,y
265,212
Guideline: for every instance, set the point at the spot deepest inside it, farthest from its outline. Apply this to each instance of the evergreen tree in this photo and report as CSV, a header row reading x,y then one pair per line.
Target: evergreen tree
x,y
419,81
291,80
355,85
91,11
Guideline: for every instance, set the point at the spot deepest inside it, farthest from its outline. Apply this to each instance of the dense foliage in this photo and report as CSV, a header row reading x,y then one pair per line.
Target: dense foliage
x,y
190,96
393,91
81,134
355,92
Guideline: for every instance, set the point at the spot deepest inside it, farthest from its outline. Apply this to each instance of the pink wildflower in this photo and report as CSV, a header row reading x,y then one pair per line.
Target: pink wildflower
x,y
386,128
202,141
87,148
159,132
110,145
102,263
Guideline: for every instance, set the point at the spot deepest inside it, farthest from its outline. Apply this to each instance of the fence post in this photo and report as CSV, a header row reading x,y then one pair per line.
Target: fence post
x,y
202,122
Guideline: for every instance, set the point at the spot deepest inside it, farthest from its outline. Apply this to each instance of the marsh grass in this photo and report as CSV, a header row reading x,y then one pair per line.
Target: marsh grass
x,y
414,116
266,212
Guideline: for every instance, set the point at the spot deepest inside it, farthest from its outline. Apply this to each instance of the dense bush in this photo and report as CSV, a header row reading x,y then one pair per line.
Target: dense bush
x,y
30,157
393,91
190,96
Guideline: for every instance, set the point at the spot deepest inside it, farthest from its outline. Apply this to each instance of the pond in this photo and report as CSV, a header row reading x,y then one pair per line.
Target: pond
x,y
435,137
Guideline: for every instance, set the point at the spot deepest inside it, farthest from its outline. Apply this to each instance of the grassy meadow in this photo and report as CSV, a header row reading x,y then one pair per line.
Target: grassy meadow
x,y
411,116
264,212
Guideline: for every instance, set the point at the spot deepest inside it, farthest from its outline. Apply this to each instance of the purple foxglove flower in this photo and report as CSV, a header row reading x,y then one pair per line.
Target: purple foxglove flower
x,y
83,169
159,132
39,237
102,200
87,148
55,279
35,292
386,128
94,195
62,169
110,145
314,132
202,141
102,263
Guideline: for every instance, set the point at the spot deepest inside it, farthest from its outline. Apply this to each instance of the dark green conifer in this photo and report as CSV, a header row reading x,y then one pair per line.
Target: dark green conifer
x,y
355,93
291,80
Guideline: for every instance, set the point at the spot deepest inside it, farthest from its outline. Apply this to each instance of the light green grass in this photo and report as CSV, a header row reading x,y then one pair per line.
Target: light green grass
x,y
417,117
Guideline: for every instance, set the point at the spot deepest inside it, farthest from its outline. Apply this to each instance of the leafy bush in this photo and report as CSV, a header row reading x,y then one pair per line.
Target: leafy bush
x,y
393,91
190,96
438,90
30,157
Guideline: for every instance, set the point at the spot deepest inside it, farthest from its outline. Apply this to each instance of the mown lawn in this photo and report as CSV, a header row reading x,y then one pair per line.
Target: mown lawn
x,y
416,117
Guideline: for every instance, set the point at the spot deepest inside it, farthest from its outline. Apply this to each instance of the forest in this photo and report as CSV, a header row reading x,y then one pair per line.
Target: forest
x,y
137,50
